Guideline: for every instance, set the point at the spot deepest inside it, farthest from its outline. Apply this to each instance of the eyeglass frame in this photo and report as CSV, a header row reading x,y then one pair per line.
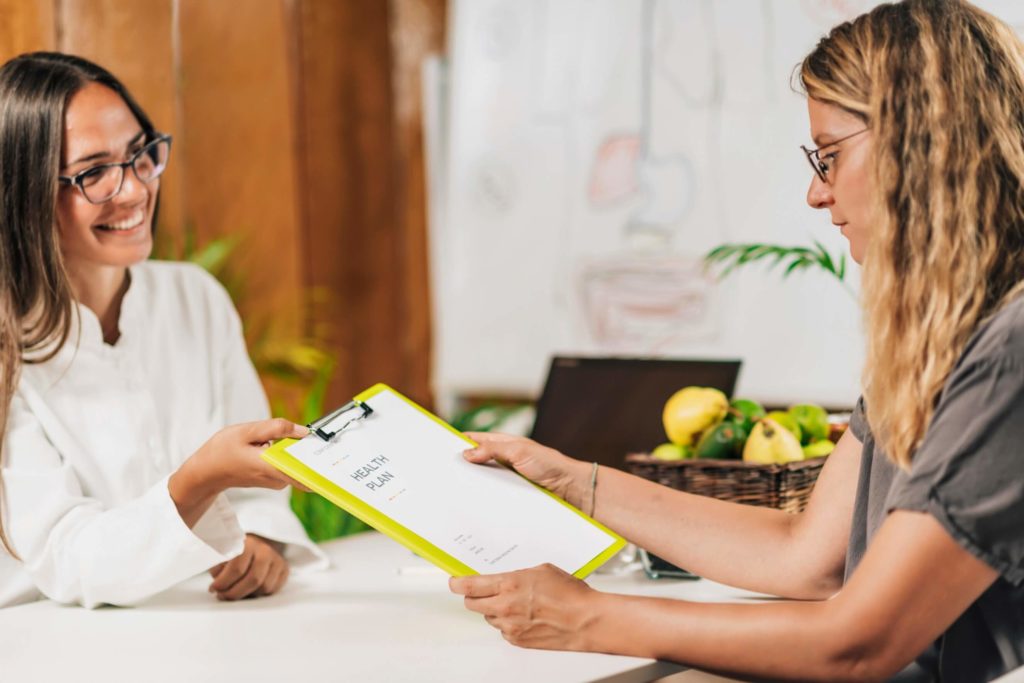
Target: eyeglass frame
x,y
812,154
76,179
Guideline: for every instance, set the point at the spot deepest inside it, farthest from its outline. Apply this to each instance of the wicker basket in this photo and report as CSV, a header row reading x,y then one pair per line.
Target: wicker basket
x,y
785,487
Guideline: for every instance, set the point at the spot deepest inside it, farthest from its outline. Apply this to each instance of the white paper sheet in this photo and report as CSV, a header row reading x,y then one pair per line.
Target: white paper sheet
x,y
411,469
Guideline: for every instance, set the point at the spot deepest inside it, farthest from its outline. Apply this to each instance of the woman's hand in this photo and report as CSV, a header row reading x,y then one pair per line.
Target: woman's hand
x,y
565,477
541,608
230,458
260,570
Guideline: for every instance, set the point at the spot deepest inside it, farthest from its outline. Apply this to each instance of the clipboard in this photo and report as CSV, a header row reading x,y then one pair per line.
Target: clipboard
x,y
318,460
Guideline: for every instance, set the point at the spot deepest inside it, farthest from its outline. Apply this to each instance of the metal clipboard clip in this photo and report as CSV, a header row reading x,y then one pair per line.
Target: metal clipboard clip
x,y
322,427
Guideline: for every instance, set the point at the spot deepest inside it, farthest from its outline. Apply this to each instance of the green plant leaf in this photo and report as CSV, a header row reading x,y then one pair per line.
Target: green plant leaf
x,y
729,257
215,254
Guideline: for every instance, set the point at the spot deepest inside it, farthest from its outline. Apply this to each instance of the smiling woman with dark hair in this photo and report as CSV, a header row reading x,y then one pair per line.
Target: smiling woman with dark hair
x,y
909,560
118,375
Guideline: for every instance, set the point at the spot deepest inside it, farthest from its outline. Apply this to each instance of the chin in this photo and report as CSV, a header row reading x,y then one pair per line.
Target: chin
x,y
123,256
857,249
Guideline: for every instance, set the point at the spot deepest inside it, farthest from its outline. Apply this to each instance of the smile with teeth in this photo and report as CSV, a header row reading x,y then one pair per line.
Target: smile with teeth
x,y
132,221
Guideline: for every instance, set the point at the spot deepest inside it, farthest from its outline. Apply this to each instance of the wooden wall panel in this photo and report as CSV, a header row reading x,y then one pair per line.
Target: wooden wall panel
x,y
238,145
364,189
417,31
26,26
348,196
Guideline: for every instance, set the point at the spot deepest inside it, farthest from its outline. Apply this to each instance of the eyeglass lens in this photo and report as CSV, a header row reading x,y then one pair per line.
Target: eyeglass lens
x,y
104,182
821,168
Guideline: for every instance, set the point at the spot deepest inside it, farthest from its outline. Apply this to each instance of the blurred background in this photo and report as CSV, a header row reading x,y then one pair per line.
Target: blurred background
x,y
443,194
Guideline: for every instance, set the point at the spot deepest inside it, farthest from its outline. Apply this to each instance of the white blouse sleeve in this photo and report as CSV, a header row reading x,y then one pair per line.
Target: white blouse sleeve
x,y
78,551
263,512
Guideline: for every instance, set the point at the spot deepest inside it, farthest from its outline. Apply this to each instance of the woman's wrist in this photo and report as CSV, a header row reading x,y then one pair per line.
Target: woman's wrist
x,y
193,488
599,631
576,491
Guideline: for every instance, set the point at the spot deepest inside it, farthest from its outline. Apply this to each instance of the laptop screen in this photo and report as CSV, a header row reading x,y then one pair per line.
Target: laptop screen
x,y
600,409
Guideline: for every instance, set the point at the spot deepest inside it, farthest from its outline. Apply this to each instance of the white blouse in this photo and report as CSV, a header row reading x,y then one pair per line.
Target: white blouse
x,y
94,434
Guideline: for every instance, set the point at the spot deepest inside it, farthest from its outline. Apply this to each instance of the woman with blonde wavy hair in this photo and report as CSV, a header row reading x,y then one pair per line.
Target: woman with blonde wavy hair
x,y
908,563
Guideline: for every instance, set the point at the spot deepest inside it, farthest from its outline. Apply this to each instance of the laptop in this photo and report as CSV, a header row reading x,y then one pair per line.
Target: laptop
x,y
600,409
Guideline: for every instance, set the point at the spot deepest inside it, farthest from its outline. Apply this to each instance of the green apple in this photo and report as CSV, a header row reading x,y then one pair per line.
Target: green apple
x,y
813,421
745,412
672,451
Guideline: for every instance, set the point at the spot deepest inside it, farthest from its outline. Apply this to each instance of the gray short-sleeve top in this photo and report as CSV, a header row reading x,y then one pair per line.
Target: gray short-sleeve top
x,y
969,475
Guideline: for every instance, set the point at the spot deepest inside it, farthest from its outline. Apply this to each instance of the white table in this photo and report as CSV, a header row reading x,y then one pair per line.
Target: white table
x,y
379,614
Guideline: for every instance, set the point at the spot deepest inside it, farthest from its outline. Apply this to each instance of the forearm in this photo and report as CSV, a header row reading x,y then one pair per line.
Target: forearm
x,y
79,552
776,641
193,491
740,545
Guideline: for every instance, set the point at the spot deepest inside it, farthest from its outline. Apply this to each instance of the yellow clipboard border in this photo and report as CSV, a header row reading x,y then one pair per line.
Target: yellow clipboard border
x,y
277,456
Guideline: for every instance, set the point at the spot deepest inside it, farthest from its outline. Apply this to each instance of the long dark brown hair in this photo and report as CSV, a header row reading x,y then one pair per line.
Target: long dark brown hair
x,y
940,83
36,301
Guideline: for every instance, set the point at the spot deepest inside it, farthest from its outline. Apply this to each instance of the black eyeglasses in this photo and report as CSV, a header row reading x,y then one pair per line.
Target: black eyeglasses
x,y
822,166
103,182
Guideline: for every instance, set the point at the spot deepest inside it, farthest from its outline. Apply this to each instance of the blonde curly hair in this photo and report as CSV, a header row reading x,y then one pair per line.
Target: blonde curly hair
x,y
940,84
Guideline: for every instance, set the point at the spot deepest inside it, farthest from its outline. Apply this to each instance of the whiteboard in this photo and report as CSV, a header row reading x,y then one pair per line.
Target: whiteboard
x,y
594,151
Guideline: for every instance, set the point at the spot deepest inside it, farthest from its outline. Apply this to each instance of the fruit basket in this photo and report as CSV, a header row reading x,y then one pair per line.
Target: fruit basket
x,y
783,486
738,452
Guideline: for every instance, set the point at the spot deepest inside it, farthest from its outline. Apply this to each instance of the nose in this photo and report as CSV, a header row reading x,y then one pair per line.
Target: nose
x,y
819,194
133,190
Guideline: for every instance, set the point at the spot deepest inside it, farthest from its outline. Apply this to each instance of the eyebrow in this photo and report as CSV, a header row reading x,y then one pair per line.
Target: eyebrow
x,y
822,140
100,155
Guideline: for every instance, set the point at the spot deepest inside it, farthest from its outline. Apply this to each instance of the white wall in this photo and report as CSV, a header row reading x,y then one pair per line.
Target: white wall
x,y
595,149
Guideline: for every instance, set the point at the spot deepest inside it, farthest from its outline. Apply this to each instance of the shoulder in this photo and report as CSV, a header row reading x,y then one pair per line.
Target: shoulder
x,y
182,296
185,282
999,340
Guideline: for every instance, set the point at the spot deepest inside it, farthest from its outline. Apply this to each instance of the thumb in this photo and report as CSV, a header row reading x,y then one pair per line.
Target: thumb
x,y
491,437
489,450
270,430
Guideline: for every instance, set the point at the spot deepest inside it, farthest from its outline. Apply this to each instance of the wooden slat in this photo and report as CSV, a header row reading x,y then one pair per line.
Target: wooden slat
x,y
26,26
417,31
348,195
238,147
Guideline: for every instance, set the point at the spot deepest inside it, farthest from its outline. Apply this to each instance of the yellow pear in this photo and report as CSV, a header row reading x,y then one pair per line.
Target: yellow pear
x,y
770,442
692,410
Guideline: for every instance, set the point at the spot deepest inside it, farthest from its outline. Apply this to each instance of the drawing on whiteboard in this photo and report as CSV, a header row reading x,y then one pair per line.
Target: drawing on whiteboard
x,y
493,186
632,302
685,54
613,175
598,148
645,305
666,183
